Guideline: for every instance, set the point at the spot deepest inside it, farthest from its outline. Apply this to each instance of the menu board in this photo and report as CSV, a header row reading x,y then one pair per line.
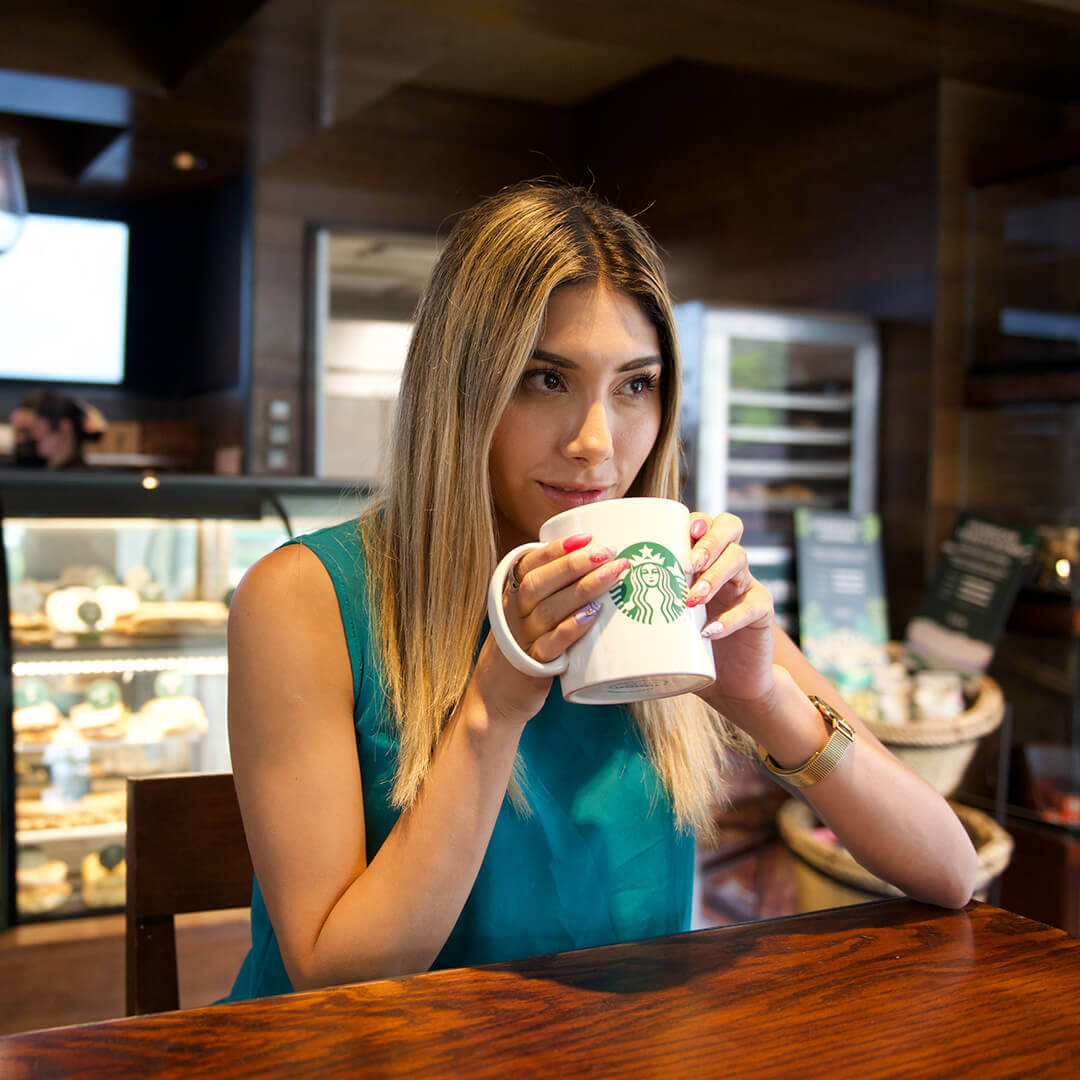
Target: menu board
x,y
843,618
979,572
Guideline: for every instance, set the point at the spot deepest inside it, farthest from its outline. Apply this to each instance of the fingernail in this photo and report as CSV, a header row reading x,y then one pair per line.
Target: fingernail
x,y
714,629
601,555
575,542
613,570
699,561
697,594
588,612
699,528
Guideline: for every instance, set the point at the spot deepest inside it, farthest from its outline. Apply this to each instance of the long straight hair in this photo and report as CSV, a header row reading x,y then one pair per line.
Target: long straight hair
x,y
430,537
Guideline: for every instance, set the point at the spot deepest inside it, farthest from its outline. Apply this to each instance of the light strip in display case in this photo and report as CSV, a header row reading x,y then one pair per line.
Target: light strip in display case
x,y
187,665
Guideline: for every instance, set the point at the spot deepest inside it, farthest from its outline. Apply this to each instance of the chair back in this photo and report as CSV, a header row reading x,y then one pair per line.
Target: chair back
x,y
186,852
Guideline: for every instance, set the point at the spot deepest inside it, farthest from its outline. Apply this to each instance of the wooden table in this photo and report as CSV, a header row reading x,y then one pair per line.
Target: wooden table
x,y
891,988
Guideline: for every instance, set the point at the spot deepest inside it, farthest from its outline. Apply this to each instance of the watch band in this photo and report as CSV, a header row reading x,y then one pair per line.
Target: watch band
x,y
820,764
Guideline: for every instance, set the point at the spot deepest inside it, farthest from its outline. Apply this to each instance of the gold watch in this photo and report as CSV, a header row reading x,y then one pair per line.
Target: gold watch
x,y
819,765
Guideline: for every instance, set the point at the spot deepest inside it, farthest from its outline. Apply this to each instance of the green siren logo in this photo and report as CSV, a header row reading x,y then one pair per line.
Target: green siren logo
x,y
654,588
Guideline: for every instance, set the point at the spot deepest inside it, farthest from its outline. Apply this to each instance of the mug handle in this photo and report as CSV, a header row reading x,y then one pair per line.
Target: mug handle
x,y
506,641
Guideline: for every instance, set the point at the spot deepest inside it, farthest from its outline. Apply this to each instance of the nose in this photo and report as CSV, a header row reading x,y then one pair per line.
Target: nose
x,y
592,440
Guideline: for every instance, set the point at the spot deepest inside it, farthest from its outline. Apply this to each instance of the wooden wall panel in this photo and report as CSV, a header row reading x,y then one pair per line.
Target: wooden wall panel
x,y
971,119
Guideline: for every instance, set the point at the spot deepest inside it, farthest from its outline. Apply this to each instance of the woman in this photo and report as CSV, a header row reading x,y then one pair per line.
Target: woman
x,y
410,799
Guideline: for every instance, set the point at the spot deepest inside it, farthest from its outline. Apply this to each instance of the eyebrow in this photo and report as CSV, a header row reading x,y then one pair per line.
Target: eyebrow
x,y
562,362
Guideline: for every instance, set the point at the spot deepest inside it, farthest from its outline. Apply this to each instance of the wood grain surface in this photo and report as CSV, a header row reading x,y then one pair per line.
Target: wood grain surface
x,y
892,988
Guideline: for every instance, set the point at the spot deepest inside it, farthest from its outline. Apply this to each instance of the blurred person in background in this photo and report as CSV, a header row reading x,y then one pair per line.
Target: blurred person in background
x,y
51,430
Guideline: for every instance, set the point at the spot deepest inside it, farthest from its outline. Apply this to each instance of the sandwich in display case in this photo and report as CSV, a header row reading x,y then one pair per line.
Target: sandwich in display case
x,y
117,593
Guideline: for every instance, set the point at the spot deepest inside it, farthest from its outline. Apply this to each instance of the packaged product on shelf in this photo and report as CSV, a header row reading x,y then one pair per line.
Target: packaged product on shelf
x,y
41,883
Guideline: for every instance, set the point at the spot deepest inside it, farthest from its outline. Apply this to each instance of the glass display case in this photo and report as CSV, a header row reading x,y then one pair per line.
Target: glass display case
x,y
117,589
779,411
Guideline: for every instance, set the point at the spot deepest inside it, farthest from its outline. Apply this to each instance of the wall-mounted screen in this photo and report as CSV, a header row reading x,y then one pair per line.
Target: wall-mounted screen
x,y
63,301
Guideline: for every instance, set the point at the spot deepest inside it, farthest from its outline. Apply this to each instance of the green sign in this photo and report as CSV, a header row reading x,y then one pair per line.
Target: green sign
x,y
653,590
843,617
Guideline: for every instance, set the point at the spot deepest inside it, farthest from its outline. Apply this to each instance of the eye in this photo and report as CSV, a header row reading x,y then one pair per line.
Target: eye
x,y
546,379
641,384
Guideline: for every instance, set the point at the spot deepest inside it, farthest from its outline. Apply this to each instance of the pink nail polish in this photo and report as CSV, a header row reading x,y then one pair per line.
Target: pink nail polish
x,y
575,542
714,629
699,528
697,594
601,555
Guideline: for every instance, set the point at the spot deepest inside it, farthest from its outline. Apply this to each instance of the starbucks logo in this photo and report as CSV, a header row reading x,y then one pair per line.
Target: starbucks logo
x,y
654,588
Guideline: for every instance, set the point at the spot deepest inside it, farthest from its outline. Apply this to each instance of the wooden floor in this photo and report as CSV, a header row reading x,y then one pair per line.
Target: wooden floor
x,y
72,972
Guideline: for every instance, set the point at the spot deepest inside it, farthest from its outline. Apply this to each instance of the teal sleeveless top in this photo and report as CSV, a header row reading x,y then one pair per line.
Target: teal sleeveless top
x,y
598,860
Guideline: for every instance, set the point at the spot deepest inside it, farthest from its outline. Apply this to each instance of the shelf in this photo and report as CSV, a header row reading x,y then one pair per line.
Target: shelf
x,y
72,832
784,503
789,436
815,470
94,662
779,399
23,746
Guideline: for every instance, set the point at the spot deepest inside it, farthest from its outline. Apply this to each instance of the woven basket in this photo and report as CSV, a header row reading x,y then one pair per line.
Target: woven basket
x,y
940,750
795,820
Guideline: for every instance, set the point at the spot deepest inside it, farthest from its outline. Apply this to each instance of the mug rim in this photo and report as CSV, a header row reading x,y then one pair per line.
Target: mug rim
x,y
621,500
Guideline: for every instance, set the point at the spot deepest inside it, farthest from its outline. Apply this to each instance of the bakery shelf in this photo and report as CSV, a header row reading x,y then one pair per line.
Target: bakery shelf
x,y
790,436
778,399
95,662
739,501
106,831
27,746
817,470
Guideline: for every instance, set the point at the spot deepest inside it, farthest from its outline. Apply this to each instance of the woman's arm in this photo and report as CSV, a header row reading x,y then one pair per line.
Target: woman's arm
x,y
891,820
292,739
295,763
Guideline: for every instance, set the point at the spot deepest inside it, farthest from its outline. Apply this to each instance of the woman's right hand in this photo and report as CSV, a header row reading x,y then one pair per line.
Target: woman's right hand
x,y
552,596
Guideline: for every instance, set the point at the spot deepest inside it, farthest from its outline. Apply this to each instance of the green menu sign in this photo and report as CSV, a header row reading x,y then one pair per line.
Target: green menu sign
x,y
843,619
979,572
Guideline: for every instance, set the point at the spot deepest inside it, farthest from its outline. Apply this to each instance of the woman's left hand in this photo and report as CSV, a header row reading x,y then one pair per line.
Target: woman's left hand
x,y
739,612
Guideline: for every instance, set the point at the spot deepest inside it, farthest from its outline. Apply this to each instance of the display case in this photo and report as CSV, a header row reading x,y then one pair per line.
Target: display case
x,y
779,411
117,593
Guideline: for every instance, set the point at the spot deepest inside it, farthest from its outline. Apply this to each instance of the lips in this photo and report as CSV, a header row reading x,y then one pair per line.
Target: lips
x,y
570,495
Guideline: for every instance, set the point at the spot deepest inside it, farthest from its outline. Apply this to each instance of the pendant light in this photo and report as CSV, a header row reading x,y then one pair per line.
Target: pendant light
x,y
12,195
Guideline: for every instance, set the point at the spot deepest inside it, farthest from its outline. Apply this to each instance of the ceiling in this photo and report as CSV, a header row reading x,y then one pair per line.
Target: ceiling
x,y
103,93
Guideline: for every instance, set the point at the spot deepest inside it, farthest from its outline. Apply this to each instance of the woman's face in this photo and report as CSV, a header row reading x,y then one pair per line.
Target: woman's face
x,y
585,416
650,575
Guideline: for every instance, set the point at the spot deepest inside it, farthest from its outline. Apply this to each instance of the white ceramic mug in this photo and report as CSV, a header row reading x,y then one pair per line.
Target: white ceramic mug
x,y
645,642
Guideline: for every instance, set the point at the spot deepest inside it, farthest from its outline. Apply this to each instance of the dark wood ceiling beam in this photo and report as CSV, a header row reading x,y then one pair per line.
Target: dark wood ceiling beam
x,y
180,37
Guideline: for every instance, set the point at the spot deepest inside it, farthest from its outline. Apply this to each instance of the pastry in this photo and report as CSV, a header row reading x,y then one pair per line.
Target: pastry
x,y
36,723
173,716
169,618
97,808
104,877
41,883
102,715
34,717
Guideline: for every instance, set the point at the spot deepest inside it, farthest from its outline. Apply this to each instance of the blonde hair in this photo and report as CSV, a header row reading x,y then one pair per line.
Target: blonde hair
x,y
430,537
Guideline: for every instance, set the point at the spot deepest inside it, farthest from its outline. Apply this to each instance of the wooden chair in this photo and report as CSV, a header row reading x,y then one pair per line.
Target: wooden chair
x,y
186,852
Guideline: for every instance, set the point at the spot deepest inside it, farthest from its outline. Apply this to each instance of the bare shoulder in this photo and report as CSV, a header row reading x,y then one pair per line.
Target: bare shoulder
x,y
286,639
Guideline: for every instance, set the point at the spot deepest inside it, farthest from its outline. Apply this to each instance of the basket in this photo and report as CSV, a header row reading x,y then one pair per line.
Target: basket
x,y
940,750
795,820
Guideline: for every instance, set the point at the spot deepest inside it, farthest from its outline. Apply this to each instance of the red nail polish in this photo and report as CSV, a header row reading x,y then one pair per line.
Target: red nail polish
x,y
575,542
699,528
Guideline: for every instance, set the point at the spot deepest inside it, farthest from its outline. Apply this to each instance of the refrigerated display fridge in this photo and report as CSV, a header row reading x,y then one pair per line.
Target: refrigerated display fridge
x,y
114,655
779,411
